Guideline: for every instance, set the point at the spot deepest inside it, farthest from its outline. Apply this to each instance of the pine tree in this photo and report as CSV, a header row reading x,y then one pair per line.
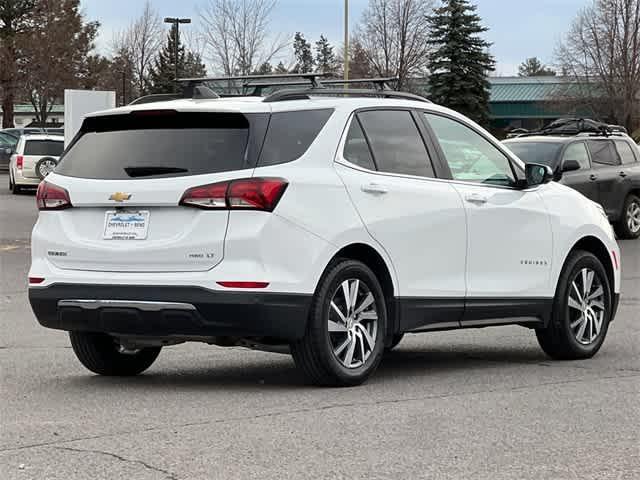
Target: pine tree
x,y
460,63
281,68
264,69
325,58
532,67
302,52
163,72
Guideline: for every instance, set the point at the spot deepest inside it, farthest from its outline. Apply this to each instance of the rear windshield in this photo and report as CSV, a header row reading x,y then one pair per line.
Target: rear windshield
x,y
163,144
545,153
172,144
48,148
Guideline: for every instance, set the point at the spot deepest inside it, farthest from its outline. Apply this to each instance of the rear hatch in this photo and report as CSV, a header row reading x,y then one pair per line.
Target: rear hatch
x,y
126,174
35,150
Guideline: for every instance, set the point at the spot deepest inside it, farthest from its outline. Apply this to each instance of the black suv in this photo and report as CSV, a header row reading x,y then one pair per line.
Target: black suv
x,y
603,165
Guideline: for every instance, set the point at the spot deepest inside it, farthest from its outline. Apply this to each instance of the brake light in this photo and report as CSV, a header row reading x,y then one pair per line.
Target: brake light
x,y
246,194
52,197
35,280
19,162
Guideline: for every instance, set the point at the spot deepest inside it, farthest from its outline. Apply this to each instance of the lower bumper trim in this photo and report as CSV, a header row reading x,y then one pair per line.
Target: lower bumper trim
x,y
163,311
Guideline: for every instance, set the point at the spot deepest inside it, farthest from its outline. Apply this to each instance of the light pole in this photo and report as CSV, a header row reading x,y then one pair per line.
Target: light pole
x,y
176,21
346,41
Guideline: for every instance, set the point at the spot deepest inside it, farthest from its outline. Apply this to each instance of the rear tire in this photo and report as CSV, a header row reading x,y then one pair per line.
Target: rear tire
x,y
629,224
15,189
344,341
579,320
101,354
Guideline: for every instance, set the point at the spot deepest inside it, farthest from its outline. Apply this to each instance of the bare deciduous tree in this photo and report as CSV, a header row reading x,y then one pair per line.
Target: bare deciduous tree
x,y
394,35
141,41
237,35
602,54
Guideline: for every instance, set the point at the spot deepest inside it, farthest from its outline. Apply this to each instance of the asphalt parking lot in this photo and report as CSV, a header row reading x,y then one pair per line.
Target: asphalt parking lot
x,y
476,404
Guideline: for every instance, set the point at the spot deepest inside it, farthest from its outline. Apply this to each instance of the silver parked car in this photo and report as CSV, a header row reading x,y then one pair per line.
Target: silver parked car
x,y
35,156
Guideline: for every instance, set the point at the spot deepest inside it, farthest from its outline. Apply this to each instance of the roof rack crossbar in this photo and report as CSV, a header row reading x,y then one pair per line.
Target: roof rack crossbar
x,y
299,94
378,83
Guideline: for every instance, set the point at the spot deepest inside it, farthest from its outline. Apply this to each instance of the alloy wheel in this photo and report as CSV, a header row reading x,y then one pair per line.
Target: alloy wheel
x,y
586,303
353,323
633,217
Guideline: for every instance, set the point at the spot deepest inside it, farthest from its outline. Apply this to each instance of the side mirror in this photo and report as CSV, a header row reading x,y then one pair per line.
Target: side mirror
x,y
537,174
8,151
570,166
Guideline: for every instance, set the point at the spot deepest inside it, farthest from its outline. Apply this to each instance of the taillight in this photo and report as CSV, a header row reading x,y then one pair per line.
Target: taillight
x,y
35,280
246,194
52,197
19,162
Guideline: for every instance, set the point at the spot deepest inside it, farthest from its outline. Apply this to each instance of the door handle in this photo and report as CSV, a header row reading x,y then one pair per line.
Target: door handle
x,y
476,198
623,174
375,189
593,177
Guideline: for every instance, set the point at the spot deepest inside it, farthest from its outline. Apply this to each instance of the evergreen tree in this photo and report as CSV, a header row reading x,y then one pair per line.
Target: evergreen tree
x,y
281,68
303,55
532,67
326,61
460,63
265,69
163,72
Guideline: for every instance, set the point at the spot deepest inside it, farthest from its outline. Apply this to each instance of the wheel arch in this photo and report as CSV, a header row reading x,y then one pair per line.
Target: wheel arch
x,y
596,247
384,272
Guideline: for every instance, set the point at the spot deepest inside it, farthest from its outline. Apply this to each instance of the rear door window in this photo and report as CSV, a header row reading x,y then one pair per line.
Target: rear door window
x,y
43,148
164,144
291,134
626,152
603,153
396,142
356,148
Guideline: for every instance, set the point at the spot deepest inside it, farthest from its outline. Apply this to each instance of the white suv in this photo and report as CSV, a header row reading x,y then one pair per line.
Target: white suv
x,y
327,226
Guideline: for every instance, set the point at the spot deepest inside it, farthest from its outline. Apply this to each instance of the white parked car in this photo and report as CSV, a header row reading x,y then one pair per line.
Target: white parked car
x,y
327,226
35,156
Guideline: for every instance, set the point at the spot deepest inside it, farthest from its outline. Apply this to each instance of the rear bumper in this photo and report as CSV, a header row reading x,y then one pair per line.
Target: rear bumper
x,y
20,179
169,311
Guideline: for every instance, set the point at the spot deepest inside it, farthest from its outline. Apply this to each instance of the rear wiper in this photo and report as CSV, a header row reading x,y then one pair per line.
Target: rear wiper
x,y
136,172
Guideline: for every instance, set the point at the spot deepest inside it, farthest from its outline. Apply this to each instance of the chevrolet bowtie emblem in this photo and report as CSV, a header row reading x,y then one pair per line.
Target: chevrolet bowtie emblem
x,y
120,197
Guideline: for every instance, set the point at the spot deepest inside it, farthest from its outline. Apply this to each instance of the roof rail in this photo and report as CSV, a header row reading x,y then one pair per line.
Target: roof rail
x,y
305,94
156,97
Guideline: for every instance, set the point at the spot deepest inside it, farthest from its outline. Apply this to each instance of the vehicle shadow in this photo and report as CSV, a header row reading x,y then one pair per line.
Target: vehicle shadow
x,y
406,364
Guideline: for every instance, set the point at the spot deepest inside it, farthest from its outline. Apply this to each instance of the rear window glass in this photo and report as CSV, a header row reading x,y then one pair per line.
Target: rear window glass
x,y
164,144
536,152
48,148
626,152
291,134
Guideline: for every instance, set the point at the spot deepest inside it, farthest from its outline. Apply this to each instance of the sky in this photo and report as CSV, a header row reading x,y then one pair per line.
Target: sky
x,y
518,29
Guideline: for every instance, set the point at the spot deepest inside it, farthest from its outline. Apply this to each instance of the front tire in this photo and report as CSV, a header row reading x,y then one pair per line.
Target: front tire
x,y
344,341
103,355
581,310
629,224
